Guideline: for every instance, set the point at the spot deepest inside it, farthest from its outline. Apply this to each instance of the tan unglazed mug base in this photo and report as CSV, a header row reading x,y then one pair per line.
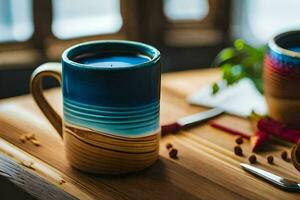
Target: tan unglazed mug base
x,y
96,152
284,110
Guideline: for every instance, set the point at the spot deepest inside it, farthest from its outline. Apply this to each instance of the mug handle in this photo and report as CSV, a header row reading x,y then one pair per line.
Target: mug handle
x,y
295,156
51,69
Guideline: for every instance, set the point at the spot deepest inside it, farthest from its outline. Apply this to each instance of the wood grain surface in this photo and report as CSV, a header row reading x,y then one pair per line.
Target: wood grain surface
x,y
206,167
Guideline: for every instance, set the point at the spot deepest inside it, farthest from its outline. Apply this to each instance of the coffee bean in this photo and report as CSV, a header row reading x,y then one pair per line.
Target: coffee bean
x,y
238,151
36,142
23,138
169,145
62,181
284,155
173,153
239,140
30,136
252,159
270,159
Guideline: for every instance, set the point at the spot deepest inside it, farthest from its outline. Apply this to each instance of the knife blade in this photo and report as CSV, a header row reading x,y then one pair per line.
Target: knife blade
x,y
190,120
276,180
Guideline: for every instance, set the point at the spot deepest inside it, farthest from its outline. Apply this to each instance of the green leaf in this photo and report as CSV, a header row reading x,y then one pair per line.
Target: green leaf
x,y
239,44
215,88
226,54
241,60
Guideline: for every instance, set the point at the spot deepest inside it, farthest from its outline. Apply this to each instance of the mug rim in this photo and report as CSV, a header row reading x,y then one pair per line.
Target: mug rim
x,y
154,58
274,46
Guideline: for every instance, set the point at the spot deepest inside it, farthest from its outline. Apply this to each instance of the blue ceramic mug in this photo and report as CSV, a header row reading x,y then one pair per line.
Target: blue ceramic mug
x,y
111,98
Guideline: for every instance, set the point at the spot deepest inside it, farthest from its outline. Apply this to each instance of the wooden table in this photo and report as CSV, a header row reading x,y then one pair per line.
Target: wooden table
x,y
206,167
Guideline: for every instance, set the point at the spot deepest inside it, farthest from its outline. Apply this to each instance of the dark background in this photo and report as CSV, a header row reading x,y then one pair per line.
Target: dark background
x,y
188,42
184,44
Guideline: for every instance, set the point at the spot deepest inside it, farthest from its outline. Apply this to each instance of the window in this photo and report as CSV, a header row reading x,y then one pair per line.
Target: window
x,y
83,18
15,20
177,10
195,22
37,31
40,30
261,19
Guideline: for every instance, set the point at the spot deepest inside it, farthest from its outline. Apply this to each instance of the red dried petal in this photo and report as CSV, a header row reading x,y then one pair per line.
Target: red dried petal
x,y
278,129
259,140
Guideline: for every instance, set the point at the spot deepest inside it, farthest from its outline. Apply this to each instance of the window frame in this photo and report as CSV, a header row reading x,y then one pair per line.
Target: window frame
x,y
54,46
215,25
142,21
48,47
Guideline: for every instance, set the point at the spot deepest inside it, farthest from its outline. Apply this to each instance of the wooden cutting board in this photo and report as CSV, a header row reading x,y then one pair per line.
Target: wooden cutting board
x,y
206,167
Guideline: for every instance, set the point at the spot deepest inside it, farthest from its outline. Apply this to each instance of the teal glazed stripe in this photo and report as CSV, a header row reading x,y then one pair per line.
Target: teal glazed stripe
x,y
123,121
282,48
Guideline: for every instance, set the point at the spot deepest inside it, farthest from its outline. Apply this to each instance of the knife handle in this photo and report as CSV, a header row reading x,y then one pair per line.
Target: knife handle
x,y
170,128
